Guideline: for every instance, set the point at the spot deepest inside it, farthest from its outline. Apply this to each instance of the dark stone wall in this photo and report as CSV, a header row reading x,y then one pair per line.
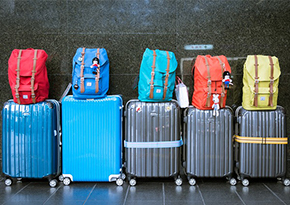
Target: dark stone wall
x,y
236,28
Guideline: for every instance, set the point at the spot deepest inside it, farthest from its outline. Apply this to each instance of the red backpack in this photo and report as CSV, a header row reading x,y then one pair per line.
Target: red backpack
x,y
209,73
27,76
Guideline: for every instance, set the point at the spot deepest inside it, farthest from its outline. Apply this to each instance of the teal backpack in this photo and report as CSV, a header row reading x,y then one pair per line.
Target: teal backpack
x,y
157,76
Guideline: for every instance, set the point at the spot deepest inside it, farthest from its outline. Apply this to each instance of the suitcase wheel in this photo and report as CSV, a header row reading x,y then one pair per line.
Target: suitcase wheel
x,y
53,183
60,178
132,182
178,181
233,182
245,182
8,182
192,182
286,182
66,181
123,176
119,182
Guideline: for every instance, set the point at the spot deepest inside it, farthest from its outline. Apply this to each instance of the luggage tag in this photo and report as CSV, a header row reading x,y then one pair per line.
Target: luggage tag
x,y
181,93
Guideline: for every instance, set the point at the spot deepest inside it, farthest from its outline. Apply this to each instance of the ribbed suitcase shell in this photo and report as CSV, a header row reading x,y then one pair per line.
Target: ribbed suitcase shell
x,y
152,122
208,146
92,133
261,160
30,139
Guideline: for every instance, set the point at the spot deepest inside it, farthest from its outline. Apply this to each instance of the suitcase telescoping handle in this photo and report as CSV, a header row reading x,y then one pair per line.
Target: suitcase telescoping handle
x,y
65,92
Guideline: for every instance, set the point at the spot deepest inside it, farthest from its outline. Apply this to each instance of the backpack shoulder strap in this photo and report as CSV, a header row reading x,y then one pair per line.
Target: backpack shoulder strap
x,y
97,76
152,75
223,86
271,81
208,83
167,75
18,77
82,71
256,90
33,76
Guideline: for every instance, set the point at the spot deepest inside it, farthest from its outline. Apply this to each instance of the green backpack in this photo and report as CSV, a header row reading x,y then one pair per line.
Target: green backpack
x,y
260,80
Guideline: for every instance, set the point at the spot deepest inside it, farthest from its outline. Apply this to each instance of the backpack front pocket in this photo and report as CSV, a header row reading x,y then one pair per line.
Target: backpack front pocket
x,y
263,96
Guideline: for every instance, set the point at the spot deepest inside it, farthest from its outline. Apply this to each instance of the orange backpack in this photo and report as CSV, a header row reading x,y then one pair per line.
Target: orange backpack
x,y
208,81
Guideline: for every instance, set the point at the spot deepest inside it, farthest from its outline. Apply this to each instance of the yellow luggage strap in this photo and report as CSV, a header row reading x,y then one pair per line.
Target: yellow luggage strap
x,y
261,140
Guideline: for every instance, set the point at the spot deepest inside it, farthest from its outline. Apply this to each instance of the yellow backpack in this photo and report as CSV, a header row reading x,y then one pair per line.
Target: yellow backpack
x,y
260,80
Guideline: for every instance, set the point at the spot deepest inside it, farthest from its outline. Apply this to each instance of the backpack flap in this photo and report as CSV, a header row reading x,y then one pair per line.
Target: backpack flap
x,y
90,53
263,66
215,67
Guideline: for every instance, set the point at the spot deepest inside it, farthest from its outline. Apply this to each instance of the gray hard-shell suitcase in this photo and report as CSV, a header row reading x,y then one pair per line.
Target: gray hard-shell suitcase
x,y
208,144
261,144
152,140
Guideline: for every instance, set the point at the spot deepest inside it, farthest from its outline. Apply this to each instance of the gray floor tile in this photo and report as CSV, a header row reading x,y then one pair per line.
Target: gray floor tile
x,y
265,203
256,192
146,192
219,196
73,192
8,192
184,193
24,202
279,190
109,193
65,202
226,203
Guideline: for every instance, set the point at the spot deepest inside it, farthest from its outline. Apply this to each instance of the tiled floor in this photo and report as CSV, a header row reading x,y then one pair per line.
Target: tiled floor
x,y
151,192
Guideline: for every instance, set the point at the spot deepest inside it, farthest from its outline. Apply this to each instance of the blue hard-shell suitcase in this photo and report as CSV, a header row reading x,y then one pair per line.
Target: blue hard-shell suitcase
x,y
92,133
31,141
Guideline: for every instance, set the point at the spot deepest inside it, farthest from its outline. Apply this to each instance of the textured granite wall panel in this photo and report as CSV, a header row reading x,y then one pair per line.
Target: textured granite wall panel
x,y
125,28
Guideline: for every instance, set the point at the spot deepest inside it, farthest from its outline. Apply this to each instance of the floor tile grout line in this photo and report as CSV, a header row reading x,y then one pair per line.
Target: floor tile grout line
x,y
90,194
240,197
126,196
163,194
199,191
274,193
52,194
17,193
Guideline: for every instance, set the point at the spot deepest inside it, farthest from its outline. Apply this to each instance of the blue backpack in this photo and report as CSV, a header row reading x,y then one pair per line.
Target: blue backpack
x,y
157,76
90,77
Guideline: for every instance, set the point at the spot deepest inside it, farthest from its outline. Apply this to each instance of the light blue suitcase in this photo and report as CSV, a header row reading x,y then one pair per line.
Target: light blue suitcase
x,y
31,141
91,139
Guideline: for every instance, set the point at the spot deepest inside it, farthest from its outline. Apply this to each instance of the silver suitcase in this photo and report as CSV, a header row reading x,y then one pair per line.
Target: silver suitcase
x,y
152,140
208,144
261,144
